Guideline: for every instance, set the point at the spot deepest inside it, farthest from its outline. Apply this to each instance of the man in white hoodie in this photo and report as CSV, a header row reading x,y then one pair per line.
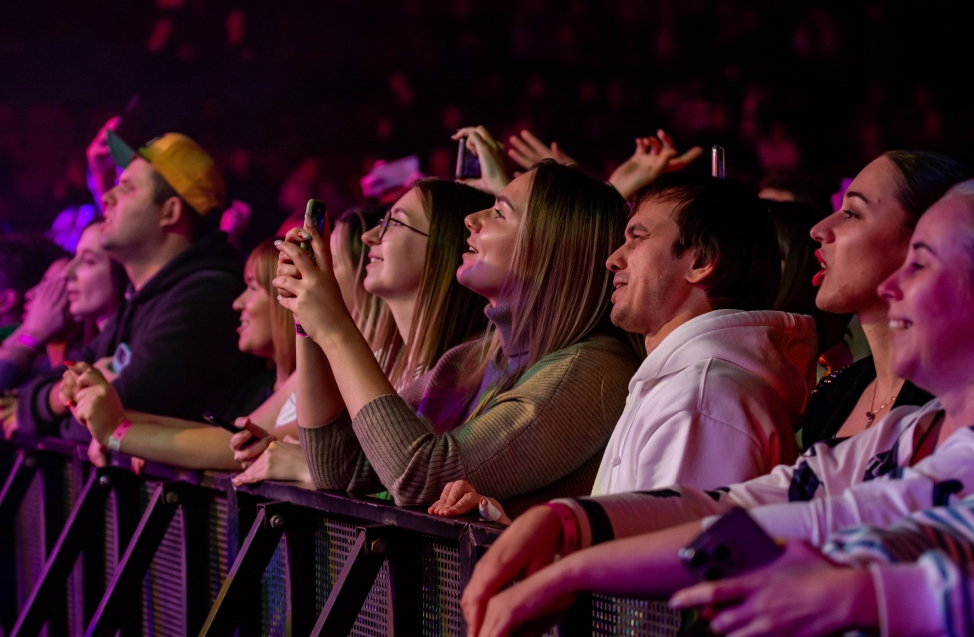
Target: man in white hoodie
x,y
713,402
724,378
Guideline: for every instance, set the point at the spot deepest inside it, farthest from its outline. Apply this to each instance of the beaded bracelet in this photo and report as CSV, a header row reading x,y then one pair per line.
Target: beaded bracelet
x,y
569,527
115,441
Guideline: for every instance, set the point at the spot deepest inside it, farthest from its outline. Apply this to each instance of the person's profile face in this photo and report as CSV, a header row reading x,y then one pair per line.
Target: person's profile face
x,y
89,277
862,243
130,214
255,333
650,281
489,258
396,261
931,299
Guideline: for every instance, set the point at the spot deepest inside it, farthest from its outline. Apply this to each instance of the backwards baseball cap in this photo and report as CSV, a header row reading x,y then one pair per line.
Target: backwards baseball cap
x,y
184,165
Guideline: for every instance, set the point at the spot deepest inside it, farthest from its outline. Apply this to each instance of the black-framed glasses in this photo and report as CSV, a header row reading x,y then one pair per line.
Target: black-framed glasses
x,y
387,220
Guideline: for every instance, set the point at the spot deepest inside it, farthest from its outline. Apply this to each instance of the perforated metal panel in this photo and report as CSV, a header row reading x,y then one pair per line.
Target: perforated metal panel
x,y
273,591
633,617
441,588
333,541
163,594
29,537
217,544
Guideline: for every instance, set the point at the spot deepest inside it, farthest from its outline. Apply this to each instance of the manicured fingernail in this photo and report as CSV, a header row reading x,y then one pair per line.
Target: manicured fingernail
x,y
278,242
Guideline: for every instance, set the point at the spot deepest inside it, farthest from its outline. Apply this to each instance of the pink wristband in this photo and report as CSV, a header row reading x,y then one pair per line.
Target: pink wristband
x,y
299,330
569,527
115,441
29,341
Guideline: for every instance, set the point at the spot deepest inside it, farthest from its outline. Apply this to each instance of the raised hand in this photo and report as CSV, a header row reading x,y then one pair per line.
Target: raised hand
x,y
490,152
310,291
653,157
48,313
527,150
100,161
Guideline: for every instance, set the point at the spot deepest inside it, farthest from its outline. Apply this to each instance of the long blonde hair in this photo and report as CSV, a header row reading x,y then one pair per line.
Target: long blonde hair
x,y
447,314
559,283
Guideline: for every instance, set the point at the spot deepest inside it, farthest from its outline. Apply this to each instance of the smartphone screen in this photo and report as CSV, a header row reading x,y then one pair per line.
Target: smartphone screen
x,y
468,166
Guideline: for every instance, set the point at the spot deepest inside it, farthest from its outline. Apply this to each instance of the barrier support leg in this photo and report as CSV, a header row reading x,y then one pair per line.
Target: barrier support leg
x,y
356,580
87,510
122,592
14,489
245,574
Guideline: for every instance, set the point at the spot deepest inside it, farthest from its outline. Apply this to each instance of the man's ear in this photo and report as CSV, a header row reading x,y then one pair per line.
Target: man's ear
x,y
9,300
173,213
701,269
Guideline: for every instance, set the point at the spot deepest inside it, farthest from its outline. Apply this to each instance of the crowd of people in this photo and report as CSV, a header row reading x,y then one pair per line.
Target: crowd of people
x,y
608,367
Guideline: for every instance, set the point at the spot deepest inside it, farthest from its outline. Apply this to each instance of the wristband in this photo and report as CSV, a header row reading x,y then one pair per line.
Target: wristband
x,y
29,341
299,330
569,527
115,441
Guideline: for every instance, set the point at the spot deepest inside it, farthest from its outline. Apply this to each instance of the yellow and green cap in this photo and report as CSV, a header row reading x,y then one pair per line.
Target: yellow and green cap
x,y
184,165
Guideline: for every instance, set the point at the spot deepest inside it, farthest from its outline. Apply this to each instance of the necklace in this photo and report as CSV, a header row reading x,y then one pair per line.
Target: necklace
x,y
871,414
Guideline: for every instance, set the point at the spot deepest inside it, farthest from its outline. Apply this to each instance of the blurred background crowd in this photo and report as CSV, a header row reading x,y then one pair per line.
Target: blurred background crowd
x,y
300,99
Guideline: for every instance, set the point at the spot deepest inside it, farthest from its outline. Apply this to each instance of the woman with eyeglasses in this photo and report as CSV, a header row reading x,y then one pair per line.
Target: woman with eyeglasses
x,y
526,408
421,312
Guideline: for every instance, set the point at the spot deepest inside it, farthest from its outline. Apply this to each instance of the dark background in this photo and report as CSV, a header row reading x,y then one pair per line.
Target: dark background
x,y
298,98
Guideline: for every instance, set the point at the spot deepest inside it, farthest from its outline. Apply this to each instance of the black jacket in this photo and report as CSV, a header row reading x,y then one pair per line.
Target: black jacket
x,y
837,394
181,331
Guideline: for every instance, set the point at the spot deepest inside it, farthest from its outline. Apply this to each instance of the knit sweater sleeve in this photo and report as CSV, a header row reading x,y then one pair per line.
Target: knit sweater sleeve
x,y
552,422
335,458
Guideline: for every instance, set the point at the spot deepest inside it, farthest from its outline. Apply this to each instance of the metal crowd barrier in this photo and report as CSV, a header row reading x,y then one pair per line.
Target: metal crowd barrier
x,y
86,551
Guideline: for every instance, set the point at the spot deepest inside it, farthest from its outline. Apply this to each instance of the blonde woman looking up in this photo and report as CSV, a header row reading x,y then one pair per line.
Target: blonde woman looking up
x,y
525,410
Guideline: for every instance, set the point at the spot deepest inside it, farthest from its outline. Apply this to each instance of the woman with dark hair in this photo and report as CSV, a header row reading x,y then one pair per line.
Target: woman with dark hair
x,y
525,409
861,244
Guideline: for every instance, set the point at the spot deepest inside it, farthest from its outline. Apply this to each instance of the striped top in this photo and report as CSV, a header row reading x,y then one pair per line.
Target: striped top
x,y
922,568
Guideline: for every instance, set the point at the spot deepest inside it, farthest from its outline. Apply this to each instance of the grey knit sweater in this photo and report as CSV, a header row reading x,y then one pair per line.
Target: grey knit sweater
x,y
539,440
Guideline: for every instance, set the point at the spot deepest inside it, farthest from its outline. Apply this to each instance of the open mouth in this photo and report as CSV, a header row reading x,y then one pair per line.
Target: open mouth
x,y
900,324
820,275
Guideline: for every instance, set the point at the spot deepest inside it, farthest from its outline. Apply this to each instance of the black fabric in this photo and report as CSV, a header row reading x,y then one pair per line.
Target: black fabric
x,y
252,395
598,520
836,395
181,329
804,484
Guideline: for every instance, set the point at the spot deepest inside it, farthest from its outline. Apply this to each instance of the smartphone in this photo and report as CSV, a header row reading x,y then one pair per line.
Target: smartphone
x,y
733,545
468,166
256,432
316,213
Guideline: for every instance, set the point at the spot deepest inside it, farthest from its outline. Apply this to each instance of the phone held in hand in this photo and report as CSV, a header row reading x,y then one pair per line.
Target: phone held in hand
x,y
468,166
256,432
735,544
315,213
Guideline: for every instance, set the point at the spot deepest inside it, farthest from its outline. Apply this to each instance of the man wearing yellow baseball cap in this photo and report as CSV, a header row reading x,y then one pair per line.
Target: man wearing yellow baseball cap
x,y
172,347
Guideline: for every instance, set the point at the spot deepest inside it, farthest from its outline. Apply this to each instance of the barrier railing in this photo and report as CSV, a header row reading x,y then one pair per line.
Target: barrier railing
x,y
86,551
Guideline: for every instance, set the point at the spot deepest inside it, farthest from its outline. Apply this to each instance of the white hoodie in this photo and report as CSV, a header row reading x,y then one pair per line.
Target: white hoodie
x,y
713,403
